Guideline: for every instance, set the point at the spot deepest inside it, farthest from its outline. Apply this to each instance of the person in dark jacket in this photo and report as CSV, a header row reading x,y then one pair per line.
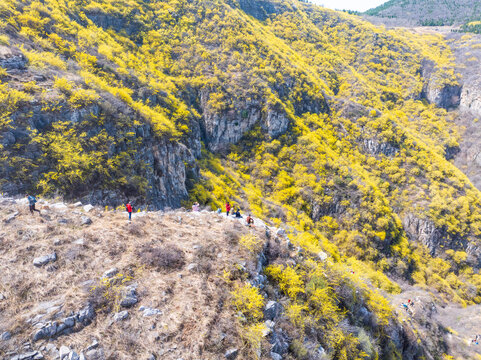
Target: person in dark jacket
x,y
238,214
31,203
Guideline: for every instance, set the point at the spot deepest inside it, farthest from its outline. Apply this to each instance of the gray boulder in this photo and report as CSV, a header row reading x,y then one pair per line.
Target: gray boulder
x,y
94,345
280,342
43,260
275,356
86,315
88,208
121,315
85,220
110,273
64,352
272,310
12,58
73,356
129,298
151,312
5,336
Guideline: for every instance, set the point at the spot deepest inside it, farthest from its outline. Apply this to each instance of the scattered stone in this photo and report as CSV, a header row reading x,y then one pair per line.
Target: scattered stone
x,y
88,208
151,312
275,356
231,354
59,206
86,220
272,310
281,232
130,297
6,336
270,324
80,242
110,273
64,351
197,247
82,357
77,204
43,260
94,345
121,315
73,356
152,357
193,267
2,297
322,256
62,221
57,242
11,217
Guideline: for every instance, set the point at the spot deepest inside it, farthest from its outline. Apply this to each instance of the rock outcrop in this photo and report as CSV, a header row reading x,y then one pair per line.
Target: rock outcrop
x,y
423,231
12,58
222,128
260,9
445,96
471,96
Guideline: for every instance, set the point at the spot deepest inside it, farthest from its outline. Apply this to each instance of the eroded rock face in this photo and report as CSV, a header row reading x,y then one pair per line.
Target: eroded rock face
x,y
376,147
471,96
446,96
222,128
424,231
168,164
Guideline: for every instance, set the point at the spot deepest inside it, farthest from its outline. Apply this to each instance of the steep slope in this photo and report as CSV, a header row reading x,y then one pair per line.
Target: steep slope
x,y
431,12
181,73
191,285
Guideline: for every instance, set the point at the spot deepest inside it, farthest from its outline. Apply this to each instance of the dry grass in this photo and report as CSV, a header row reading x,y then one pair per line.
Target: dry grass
x,y
197,320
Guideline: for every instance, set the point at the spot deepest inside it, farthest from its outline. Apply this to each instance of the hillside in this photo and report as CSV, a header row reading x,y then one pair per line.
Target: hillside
x,y
192,285
464,13
340,132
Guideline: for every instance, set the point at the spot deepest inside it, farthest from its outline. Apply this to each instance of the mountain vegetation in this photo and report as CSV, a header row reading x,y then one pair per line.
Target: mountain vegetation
x,y
308,118
463,13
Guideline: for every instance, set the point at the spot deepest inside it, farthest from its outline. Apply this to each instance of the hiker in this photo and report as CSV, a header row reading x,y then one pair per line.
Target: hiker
x,y
250,220
31,201
128,207
238,214
196,207
227,208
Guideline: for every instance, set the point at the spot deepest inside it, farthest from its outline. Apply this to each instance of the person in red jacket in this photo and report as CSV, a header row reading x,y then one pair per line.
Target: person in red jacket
x,y
227,208
128,207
